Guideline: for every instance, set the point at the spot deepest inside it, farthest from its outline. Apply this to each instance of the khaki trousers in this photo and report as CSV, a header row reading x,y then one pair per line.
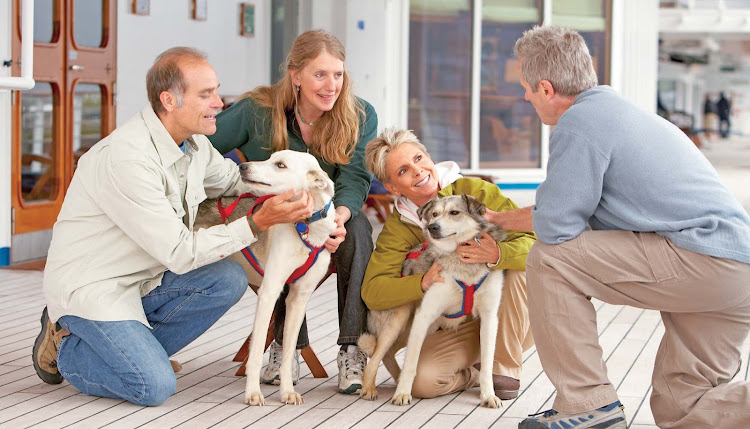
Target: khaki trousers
x,y
446,359
704,303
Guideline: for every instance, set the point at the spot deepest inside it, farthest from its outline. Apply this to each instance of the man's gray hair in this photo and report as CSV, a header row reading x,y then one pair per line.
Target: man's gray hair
x,y
166,75
378,149
558,55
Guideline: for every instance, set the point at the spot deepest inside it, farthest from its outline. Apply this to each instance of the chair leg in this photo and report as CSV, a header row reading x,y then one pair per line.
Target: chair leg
x,y
241,370
311,359
243,352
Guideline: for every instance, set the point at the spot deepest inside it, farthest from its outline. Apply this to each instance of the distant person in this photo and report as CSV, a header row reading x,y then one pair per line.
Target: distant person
x,y
724,109
631,213
661,110
710,121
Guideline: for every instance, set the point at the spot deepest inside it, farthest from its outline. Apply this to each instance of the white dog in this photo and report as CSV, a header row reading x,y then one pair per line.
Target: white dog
x,y
280,251
449,222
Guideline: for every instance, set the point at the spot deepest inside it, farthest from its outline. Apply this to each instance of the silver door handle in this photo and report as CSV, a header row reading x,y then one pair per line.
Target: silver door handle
x,y
76,67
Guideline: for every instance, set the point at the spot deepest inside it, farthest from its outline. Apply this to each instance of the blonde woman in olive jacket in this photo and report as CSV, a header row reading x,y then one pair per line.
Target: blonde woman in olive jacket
x,y
446,363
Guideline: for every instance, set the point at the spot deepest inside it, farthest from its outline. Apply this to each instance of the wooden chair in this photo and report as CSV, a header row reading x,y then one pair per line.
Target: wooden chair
x,y
382,204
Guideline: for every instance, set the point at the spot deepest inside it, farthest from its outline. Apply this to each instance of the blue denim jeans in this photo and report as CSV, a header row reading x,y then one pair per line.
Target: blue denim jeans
x,y
127,360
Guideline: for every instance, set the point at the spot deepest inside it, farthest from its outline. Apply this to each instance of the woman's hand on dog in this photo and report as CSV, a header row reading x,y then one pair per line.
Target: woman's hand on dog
x,y
483,250
337,236
280,209
432,276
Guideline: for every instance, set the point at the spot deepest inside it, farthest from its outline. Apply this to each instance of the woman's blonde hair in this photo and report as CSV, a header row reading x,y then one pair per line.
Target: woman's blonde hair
x,y
335,134
378,149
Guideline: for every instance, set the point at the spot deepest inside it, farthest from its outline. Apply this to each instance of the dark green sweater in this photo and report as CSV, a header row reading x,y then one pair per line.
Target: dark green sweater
x,y
247,127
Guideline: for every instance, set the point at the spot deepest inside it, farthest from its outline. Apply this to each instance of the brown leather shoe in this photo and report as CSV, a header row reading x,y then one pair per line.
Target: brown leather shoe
x,y
44,352
506,388
176,366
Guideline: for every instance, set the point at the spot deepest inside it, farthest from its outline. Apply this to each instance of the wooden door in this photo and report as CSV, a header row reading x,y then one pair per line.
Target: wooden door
x,y
69,109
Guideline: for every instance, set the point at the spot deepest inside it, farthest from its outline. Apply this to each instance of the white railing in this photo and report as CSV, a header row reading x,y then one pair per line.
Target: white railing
x,y
705,4
26,80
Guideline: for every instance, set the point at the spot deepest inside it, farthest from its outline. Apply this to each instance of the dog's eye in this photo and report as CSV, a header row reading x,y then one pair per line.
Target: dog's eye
x,y
455,212
280,165
434,214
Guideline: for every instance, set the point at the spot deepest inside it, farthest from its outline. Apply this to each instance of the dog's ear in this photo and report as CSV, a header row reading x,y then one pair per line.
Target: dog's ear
x,y
426,208
474,206
319,179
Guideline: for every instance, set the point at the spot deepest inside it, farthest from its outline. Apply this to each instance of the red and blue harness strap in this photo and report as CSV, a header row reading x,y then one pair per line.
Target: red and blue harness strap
x,y
415,254
468,301
248,254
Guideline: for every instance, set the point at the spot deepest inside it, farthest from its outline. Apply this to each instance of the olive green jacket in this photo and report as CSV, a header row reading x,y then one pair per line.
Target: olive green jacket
x,y
247,127
383,285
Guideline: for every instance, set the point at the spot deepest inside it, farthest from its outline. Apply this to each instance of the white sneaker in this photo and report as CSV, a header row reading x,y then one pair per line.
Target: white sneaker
x,y
351,367
271,373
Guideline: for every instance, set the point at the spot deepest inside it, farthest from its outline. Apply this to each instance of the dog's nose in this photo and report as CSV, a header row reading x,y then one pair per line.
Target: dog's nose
x,y
433,228
244,167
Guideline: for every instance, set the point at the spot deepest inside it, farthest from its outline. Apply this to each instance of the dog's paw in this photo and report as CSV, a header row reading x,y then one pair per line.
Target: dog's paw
x,y
368,393
401,399
491,401
292,398
254,398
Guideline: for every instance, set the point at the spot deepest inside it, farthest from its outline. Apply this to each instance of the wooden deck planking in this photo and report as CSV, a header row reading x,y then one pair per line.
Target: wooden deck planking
x,y
210,395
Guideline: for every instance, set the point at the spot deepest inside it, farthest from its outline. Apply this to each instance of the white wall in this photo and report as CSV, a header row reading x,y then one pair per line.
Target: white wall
x,y
635,46
241,63
365,51
5,98
368,61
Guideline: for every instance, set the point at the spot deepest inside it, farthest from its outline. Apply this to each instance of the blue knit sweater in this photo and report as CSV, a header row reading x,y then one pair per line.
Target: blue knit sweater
x,y
614,166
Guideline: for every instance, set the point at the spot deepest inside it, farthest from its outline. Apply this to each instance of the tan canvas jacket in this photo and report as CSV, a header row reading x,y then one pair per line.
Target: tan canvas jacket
x,y
128,216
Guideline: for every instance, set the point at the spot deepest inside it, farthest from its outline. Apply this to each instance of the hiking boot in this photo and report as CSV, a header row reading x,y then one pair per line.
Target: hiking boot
x,y
44,353
609,416
351,363
271,373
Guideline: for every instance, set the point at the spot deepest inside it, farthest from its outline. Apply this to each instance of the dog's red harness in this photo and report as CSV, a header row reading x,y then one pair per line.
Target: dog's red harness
x,y
415,254
468,298
468,301
300,227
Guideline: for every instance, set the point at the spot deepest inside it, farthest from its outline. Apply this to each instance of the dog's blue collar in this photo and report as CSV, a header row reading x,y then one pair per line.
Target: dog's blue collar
x,y
302,227
320,214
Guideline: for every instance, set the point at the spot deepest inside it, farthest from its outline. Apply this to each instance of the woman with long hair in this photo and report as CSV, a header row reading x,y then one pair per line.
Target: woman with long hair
x,y
312,108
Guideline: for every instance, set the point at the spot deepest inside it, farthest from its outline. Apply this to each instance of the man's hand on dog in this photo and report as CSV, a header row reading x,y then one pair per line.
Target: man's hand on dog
x,y
482,250
432,276
281,209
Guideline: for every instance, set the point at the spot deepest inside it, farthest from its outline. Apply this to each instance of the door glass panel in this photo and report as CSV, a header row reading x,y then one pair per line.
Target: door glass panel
x,y
509,129
44,12
88,22
87,118
39,180
589,18
440,77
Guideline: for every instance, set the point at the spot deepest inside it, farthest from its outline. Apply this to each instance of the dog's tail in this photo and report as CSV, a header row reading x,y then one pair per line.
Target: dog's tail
x,y
367,343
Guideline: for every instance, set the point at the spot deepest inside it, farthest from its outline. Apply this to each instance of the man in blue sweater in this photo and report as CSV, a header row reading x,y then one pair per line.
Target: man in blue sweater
x,y
631,213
